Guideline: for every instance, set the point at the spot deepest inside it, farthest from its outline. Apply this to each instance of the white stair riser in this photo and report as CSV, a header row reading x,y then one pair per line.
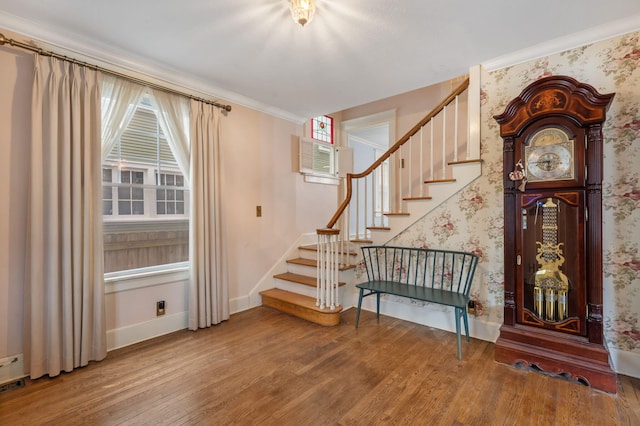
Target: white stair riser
x,y
295,287
311,291
307,254
302,269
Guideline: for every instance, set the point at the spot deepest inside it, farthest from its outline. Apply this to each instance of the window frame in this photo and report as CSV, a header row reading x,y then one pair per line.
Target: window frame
x,y
319,122
151,169
150,202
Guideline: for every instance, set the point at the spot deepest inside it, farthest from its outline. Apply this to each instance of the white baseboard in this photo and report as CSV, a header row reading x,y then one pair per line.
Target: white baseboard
x,y
12,367
625,362
436,316
240,304
125,336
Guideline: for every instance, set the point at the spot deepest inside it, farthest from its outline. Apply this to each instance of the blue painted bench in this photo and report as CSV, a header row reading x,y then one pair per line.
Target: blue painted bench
x,y
437,276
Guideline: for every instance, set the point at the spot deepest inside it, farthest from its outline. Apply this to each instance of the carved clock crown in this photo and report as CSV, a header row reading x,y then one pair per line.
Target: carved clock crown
x,y
554,95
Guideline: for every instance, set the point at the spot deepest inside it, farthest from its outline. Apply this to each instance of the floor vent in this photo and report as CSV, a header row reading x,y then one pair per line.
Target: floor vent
x,y
12,385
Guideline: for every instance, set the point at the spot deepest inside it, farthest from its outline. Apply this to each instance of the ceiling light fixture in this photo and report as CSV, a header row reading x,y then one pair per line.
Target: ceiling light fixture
x,y
302,11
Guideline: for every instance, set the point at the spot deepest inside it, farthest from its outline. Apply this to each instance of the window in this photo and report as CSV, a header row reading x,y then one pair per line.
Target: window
x,y
170,198
145,199
318,154
107,192
322,128
131,192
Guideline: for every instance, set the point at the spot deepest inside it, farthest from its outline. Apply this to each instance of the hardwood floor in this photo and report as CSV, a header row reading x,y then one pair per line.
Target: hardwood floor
x,y
268,368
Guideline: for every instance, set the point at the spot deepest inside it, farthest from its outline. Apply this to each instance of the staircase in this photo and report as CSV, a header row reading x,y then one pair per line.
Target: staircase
x,y
319,282
296,290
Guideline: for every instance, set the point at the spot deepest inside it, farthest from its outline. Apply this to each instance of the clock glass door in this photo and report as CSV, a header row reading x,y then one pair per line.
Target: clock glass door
x,y
550,264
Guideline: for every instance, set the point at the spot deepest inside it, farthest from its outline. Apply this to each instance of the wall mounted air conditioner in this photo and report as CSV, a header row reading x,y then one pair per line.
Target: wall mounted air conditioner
x,y
323,159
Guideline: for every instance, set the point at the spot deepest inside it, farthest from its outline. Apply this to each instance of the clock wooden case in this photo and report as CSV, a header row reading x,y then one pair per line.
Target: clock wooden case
x,y
553,153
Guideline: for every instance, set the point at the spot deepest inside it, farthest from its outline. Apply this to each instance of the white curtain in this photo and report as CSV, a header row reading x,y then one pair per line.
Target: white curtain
x,y
120,97
209,287
64,308
173,116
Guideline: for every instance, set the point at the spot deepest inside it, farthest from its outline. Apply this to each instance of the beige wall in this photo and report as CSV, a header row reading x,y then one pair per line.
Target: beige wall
x,y
410,107
257,169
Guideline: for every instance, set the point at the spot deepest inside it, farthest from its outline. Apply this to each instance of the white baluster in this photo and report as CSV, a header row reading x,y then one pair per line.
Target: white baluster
x,y
421,164
444,142
455,134
365,215
398,163
334,267
320,268
431,159
409,173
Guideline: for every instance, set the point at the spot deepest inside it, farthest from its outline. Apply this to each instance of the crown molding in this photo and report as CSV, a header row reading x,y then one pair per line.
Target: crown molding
x,y
122,62
561,44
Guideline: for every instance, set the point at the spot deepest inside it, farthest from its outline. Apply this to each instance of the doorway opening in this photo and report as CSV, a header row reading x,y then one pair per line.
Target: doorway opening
x,y
369,137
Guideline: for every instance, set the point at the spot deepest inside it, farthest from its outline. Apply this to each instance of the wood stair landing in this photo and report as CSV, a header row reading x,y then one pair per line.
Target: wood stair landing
x,y
300,306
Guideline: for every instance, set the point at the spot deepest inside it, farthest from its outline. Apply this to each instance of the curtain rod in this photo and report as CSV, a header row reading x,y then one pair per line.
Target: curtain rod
x,y
40,51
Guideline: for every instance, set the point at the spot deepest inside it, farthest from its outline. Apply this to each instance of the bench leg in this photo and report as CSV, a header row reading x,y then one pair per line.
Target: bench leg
x,y
466,323
378,305
458,315
359,306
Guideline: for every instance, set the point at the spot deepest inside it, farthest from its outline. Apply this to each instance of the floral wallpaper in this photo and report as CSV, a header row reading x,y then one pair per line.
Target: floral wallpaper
x,y
473,219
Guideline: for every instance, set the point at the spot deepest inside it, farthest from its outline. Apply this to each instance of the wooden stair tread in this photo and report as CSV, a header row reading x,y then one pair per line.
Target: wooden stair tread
x,y
361,241
300,306
396,214
301,279
314,263
298,299
314,247
416,198
477,160
440,181
378,228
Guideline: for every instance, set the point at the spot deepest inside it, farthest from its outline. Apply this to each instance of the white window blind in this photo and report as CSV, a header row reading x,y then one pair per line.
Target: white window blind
x,y
317,157
143,140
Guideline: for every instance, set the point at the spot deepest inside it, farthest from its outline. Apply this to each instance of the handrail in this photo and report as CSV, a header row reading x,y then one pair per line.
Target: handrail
x,y
350,176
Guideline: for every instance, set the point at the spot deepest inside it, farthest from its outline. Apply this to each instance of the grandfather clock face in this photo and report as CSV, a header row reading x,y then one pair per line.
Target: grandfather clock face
x,y
549,155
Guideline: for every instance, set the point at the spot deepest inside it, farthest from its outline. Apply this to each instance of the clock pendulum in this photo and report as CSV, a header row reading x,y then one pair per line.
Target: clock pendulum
x,y
551,284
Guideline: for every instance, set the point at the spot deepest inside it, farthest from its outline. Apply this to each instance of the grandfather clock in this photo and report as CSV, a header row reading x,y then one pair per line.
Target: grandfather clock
x,y
553,148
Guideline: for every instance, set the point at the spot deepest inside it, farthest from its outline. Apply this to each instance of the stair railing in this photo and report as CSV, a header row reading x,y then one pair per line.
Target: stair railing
x,y
383,189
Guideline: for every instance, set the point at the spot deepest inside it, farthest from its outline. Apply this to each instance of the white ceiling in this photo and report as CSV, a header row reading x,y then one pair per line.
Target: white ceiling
x,y
355,51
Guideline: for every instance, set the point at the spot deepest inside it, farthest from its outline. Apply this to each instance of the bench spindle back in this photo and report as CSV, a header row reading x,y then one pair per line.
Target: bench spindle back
x,y
438,269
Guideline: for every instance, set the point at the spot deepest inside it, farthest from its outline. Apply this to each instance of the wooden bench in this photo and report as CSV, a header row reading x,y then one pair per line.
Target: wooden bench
x,y
437,276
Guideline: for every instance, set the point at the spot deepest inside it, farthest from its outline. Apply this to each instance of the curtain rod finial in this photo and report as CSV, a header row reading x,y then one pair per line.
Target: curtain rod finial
x,y
3,40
